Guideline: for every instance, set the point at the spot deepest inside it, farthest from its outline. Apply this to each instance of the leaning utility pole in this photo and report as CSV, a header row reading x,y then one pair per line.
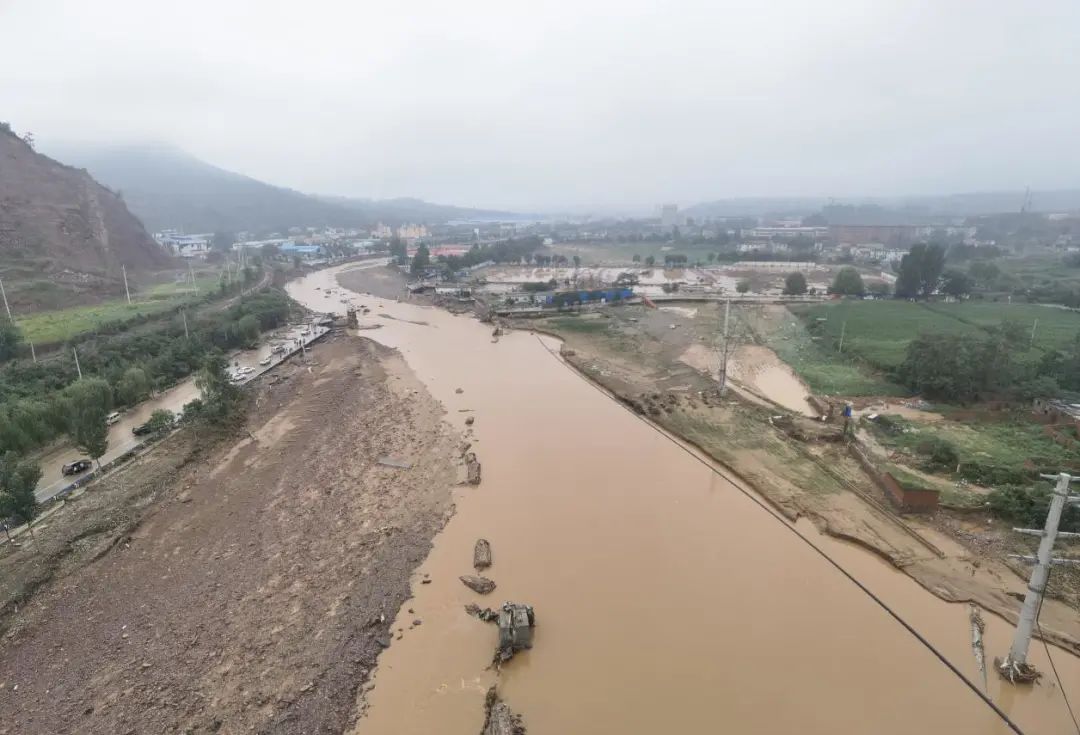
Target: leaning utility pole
x,y
123,269
1015,667
184,315
6,307
77,368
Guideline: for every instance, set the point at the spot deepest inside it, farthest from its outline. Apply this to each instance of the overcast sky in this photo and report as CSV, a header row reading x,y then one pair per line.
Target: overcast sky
x,y
553,104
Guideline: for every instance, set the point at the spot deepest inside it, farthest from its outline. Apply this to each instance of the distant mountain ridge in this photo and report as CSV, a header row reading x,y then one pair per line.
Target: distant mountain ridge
x,y
62,234
168,188
964,204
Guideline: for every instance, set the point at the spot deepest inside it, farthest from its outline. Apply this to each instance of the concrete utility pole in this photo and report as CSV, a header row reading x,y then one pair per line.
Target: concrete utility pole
x,y
1015,667
32,353
184,315
1033,328
724,353
843,329
6,307
77,368
123,269
191,272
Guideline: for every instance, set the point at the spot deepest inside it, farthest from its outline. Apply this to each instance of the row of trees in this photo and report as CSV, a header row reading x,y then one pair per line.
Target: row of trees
x,y
88,404
37,399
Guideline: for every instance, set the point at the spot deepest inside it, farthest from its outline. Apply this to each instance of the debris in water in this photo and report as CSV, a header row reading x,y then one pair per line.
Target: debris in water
x,y
472,467
515,630
977,629
481,558
487,614
499,719
481,585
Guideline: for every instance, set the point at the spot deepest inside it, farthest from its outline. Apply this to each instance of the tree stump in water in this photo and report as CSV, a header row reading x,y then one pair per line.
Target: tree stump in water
x,y
481,554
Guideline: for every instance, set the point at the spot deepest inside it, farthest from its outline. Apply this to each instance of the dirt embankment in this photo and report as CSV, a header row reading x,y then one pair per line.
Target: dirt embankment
x,y
386,282
251,591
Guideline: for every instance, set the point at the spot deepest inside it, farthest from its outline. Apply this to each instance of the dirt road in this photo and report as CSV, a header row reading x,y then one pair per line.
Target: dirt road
x,y
255,594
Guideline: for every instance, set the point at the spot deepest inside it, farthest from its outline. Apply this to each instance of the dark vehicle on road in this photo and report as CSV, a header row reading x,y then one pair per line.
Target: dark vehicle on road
x,y
142,429
74,468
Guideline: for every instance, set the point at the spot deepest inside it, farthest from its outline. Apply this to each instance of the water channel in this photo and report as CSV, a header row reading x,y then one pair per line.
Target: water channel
x,y
666,599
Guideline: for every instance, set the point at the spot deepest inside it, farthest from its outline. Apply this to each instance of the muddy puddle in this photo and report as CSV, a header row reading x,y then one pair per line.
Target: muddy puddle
x,y
666,600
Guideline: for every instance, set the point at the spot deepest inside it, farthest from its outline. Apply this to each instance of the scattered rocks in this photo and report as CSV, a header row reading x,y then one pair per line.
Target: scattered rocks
x,y
470,420
478,584
499,719
482,554
459,390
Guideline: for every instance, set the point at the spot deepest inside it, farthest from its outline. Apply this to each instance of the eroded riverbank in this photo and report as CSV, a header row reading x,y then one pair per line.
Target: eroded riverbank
x,y
666,600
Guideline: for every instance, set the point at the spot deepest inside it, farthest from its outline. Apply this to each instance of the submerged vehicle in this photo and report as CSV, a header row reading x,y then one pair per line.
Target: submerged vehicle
x,y
515,629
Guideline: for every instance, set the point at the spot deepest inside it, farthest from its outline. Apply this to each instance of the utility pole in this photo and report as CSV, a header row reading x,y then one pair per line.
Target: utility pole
x,y
32,353
843,329
1033,328
77,368
6,307
724,353
1015,667
183,314
123,269
191,272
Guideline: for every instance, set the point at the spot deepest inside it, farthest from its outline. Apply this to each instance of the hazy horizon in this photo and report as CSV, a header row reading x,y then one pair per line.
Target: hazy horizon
x,y
565,107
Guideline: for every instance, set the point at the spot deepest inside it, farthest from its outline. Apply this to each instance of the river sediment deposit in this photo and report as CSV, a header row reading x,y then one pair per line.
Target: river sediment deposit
x,y
667,599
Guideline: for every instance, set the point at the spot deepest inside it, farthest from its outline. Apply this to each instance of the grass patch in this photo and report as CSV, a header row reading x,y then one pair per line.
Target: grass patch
x,y
879,331
63,324
988,453
60,325
822,368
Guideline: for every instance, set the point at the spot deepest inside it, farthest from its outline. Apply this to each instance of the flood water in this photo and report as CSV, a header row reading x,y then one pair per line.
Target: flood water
x,y
666,600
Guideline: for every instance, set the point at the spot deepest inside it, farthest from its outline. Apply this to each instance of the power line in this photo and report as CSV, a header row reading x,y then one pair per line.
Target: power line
x,y
783,522
1051,659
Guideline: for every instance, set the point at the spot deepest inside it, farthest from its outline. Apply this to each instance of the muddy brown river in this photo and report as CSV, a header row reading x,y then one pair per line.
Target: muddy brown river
x,y
666,600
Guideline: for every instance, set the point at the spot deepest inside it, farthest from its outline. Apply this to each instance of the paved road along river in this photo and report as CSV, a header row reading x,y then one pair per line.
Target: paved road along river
x,y
666,600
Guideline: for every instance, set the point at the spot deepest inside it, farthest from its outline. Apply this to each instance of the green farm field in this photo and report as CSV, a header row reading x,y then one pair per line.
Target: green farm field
x,y
879,331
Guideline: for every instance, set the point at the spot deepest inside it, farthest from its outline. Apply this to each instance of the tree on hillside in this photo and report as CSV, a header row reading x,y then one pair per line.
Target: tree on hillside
x,y
956,283
421,260
920,271
966,366
88,403
742,286
848,282
795,284
133,386
984,272
10,337
18,480
398,251
89,431
879,289
636,258
650,261
223,241
161,420
219,394
248,329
